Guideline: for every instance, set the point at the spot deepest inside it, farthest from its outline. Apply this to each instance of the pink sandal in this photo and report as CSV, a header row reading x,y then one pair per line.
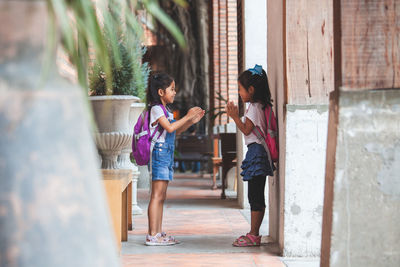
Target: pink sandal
x,y
170,238
247,240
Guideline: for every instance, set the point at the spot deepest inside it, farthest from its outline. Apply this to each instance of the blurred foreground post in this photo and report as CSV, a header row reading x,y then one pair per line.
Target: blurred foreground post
x,y
52,205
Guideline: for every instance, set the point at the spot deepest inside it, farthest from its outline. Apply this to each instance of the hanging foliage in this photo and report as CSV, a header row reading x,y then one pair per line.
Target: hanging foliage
x,y
82,22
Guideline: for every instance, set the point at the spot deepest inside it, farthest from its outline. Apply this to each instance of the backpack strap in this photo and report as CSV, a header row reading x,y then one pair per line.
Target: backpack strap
x,y
143,132
260,136
271,132
165,110
158,128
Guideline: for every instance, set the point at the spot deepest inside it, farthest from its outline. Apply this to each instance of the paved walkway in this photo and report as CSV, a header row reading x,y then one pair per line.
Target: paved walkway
x,y
206,226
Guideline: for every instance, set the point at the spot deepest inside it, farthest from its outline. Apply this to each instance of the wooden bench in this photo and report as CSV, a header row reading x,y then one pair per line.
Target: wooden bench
x,y
191,148
118,187
226,160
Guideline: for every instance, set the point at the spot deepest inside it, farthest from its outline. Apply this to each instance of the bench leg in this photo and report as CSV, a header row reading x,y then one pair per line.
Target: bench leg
x,y
130,226
124,215
215,170
224,173
114,197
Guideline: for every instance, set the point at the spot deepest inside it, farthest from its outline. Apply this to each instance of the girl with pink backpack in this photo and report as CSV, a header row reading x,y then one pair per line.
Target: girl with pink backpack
x,y
160,93
256,127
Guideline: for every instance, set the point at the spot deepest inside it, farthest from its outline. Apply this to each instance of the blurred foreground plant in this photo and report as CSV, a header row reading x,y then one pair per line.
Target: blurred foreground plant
x,y
81,23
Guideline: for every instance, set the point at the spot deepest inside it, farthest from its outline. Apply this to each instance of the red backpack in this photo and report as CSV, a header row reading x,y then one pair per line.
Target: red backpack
x,y
269,142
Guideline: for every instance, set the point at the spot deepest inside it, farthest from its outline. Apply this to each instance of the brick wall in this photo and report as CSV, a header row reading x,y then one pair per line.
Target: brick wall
x,y
224,54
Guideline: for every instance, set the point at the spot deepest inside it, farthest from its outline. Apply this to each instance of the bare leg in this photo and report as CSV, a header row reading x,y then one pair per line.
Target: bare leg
x,y
256,220
155,209
160,218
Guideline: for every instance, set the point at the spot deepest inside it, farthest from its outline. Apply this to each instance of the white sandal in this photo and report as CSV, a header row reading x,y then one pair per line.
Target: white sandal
x,y
170,238
158,240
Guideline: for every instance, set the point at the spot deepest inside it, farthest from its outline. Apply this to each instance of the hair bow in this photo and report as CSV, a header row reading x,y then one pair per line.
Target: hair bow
x,y
256,70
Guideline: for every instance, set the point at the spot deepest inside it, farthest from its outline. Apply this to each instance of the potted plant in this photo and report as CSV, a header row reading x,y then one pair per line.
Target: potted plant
x,y
113,112
111,107
53,207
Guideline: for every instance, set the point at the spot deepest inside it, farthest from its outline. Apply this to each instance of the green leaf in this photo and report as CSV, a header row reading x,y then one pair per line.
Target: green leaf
x,y
59,11
181,3
216,115
50,48
216,108
81,25
221,98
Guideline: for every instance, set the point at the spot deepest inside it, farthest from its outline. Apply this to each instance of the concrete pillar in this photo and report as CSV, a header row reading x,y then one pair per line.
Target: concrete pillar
x,y
362,190
362,203
52,204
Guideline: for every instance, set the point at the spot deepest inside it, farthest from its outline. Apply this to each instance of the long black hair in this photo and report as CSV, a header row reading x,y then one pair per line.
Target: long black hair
x,y
157,80
262,93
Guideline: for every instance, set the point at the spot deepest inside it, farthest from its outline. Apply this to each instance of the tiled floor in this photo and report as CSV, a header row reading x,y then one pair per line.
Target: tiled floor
x,y
206,226
199,259
204,223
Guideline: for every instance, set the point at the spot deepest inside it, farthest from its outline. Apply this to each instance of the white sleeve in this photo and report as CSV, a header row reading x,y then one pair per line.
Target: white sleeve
x,y
156,113
251,113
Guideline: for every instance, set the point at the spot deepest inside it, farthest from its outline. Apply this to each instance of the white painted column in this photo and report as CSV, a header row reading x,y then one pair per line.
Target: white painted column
x,y
306,137
255,45
255,29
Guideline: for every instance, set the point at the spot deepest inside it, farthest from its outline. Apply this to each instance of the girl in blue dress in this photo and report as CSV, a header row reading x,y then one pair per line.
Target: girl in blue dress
x,y
160,93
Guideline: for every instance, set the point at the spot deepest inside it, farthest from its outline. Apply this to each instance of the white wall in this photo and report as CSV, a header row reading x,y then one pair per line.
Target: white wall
x,y
242,186
306,137
255,25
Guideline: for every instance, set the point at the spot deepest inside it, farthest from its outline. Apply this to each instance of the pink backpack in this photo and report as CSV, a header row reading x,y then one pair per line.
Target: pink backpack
x,y
269,142
143,140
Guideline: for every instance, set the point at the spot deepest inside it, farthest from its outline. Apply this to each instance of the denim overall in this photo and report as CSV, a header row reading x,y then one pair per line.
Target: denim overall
x,y
162,158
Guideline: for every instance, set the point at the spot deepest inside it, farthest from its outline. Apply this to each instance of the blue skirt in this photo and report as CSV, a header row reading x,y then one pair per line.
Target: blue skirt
x,y
256,163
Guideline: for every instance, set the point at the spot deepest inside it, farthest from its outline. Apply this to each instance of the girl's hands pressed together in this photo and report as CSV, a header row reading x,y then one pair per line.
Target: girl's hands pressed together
x,y
193,112
198,117
232,110
194,115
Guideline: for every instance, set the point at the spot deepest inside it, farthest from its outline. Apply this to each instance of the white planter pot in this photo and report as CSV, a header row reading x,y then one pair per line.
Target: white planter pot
x,y
113,129
109,146
136,110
